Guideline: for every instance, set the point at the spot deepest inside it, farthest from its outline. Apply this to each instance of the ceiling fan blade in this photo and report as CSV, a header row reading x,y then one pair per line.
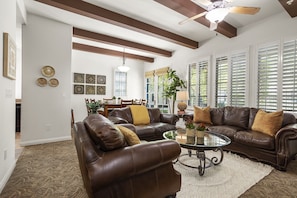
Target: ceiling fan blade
x,y
213,26
192,18
202,2
244,10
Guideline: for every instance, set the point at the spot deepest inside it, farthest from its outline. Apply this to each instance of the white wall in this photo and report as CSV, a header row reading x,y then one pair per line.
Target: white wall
x,y
46,110
7,97
92,63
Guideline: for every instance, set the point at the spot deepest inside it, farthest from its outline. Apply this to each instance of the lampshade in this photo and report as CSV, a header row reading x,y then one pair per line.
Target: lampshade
x,y
123,68
217,15
182,95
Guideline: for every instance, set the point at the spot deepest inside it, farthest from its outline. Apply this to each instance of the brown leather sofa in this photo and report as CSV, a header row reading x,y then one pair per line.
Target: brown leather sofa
x,y
236,123
110,168
159,122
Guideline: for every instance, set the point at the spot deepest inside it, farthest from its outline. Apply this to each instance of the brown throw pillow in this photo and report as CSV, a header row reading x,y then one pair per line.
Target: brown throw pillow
x,y
268,123
202,115
130,137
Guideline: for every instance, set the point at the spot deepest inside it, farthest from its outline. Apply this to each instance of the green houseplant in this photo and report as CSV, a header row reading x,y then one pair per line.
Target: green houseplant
x,y
173,84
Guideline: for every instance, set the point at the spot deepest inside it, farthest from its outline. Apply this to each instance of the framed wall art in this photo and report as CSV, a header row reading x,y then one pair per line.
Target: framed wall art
x,y
90,89
78,89
101,90
9,57
90,78
78,78
101,79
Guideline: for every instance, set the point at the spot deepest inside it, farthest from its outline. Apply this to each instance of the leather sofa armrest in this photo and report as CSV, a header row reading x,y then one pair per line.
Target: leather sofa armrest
x,y
117,120
132,160
286,144
169,118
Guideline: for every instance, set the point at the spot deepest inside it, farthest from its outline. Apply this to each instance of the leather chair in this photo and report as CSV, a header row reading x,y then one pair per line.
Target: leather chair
x,y
110,168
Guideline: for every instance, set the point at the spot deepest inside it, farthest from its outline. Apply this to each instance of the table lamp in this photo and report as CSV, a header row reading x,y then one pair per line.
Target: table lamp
x,y
182,96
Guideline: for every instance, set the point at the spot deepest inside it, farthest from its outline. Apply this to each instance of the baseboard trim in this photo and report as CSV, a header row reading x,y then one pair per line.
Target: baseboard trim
x,y
44,141
7,176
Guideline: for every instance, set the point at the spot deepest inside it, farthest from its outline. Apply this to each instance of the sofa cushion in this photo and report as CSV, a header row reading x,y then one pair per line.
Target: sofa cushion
x,y
255,139
140,114
237,116
104,133
228,131
253,113
130,136
268,123
288,119
202,115
217,116
154,114
124,113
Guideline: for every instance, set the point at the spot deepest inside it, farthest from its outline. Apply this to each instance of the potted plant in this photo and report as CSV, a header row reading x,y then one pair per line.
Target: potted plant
x,y
94,106
174,84
114,99
190,131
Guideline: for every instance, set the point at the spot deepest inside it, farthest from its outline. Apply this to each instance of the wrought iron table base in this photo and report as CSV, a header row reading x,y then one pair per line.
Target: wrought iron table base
x,y
200,154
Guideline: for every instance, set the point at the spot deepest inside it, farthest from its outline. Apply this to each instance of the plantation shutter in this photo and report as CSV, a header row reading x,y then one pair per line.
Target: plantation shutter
x,y
289,76
238,79
221,81
192,84
267,77
202,83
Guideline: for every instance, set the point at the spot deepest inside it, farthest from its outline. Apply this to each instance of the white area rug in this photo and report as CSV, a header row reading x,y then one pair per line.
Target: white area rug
x,y
229,179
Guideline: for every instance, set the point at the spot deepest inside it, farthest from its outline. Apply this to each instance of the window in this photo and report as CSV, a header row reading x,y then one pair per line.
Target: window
x,y
221,81
267,77
289,76
120,84
150,90
238,79
162,101
198,82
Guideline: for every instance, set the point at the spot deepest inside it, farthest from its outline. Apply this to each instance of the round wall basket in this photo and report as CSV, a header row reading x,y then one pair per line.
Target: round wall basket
x,y
41,82
48,71
53,82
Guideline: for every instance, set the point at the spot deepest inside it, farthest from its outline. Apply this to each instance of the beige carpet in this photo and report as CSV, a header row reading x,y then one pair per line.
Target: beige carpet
x,y
51,170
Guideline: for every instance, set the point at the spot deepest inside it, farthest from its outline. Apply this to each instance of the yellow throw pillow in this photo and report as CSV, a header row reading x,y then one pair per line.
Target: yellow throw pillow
x,y
268,123
202,115
140,114
130,137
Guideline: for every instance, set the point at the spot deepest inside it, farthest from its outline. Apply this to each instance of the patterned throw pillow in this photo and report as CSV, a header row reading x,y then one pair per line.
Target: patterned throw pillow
x,y
130,137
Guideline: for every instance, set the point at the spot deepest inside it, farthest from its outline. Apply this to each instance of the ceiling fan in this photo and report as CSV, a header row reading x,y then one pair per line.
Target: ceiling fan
x,y
217,10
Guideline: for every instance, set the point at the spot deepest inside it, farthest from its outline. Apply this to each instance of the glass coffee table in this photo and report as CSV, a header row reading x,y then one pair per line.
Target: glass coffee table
x,y
211,141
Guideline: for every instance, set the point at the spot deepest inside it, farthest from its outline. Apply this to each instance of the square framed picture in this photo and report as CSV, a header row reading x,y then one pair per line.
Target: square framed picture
x,y
78,89
78,78
90,78
101,90
9,57
90,89
101,79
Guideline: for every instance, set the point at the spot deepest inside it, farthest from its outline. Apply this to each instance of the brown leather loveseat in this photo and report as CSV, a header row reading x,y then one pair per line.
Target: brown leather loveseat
x,y
237,123
112,168
159,122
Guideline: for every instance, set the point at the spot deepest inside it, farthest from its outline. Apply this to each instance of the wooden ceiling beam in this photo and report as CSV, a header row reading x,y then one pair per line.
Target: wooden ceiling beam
x,y
189,9
84,34
98,13
290,7
98,50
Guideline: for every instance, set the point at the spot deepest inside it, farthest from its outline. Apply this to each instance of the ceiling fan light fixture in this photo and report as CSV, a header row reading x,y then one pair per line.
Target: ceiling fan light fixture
x,y
217,15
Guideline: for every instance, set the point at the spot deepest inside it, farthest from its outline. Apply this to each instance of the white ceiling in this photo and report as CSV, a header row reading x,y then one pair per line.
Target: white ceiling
x,y
155,14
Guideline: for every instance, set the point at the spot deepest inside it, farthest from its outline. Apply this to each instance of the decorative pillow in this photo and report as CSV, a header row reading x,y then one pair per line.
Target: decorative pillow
x,y
202,115
130,137
140,114
104,133
268,123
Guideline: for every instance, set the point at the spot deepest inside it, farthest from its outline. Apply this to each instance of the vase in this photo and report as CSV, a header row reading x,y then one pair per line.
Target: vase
x,y
190,136
200,137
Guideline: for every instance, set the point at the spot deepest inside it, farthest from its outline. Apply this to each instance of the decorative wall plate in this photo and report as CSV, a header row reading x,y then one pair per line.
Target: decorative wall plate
x,y
41,82
48,71
53,82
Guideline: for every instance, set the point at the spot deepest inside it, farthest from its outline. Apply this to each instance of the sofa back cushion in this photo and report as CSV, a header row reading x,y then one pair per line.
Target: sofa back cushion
x,y
237,116
253,112
104,133
288,119
217,116
124,113
155,114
